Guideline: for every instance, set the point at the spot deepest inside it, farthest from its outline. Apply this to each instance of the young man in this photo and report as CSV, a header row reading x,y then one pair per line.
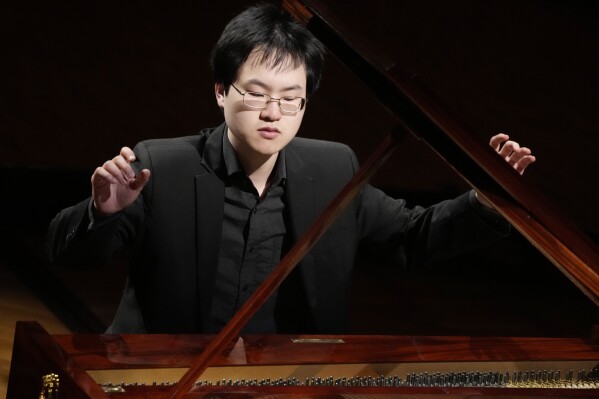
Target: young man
x,y
209,216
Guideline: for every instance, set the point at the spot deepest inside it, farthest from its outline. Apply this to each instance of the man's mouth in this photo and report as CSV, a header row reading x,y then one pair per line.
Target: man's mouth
x,y
269,132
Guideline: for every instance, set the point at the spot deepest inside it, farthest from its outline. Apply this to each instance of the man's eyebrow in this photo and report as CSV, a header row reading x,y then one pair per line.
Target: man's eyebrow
x,y
265,86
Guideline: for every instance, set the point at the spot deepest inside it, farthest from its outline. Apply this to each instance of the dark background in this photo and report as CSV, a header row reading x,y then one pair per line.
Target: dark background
x,y
82,79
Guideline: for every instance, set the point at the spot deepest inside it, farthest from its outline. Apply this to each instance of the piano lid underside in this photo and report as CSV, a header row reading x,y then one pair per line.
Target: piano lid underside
x,y
518,281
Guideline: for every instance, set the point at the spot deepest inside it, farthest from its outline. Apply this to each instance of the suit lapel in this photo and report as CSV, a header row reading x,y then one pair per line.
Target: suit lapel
x,y
300,198
299,193
209,222
209,197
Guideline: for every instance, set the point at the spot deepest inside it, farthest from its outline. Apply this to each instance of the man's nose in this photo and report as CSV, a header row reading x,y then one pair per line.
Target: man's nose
x,y
272,111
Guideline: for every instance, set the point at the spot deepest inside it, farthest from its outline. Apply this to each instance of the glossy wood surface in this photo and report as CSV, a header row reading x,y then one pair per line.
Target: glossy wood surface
x,y
73,357
35,354
131,351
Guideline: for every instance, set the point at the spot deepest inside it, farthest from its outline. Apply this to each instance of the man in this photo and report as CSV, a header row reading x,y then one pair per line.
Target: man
x,y
209,216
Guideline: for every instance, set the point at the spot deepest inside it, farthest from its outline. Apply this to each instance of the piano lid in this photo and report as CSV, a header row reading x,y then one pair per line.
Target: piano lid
x,y
357,42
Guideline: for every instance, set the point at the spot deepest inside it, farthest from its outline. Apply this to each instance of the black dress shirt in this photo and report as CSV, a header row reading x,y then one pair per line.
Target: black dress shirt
x,y
252,237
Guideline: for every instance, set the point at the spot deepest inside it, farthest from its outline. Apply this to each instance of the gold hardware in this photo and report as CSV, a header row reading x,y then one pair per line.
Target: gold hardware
x,y
50,384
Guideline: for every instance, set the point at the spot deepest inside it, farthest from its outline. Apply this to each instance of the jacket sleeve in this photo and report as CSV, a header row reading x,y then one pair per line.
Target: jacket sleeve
x,y
419,236
76,239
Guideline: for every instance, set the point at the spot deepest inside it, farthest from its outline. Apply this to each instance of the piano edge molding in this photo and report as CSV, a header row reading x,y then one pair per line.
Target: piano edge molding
x,y
458,367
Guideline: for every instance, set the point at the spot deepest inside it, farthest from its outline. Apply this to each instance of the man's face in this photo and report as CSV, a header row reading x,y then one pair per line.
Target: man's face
x,y
258,135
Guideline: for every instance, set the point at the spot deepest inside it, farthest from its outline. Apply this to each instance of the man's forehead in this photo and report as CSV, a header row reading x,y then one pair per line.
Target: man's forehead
x,y
276,61
270,72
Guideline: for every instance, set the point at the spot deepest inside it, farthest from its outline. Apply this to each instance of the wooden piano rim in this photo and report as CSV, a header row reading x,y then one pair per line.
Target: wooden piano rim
x,y
73,357
131,351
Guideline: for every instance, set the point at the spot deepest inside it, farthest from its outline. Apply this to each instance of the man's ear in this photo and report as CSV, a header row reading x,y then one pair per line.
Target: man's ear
x,y
219,92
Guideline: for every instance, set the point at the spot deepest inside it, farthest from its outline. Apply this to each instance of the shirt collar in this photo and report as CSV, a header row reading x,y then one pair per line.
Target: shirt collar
x,y
220,157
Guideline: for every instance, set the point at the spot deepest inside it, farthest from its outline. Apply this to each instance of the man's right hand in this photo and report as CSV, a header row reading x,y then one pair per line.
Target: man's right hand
x,y
115,185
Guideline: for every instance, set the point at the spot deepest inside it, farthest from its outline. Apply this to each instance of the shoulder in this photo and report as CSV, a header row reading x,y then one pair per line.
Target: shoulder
x,y
320,148
320,155
182,154
193,144
169,144
303,144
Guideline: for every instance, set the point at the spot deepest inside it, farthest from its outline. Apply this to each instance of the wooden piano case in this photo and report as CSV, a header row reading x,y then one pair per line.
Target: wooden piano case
x,y
147,366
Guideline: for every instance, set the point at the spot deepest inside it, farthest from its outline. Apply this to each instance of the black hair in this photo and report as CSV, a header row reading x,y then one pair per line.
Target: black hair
x,y
277,38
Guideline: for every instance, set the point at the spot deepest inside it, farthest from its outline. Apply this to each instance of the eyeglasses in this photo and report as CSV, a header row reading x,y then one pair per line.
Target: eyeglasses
x,y
288,105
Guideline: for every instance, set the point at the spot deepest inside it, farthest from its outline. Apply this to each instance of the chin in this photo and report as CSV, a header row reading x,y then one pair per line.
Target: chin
x,y
268,149
268,153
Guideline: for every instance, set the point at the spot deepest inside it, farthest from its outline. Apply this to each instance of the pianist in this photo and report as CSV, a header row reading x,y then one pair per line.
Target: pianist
x,y
207,217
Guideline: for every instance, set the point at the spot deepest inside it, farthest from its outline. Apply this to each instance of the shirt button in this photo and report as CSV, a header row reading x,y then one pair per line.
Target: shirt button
x,y
251,249
254,210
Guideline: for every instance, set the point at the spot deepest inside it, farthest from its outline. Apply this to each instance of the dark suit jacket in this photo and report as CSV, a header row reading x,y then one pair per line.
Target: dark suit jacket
x,y
174,228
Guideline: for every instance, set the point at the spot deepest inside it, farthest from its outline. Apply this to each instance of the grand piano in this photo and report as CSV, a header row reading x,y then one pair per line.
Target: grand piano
x,y
229,365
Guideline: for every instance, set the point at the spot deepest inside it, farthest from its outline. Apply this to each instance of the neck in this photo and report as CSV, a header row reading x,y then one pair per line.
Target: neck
x,y
259,172
258,167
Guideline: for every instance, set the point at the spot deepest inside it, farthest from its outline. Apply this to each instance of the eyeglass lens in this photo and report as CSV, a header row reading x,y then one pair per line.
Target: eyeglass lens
x,y
259,100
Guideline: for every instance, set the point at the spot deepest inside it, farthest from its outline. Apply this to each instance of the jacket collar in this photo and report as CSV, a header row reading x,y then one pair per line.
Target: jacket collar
x,y
299,192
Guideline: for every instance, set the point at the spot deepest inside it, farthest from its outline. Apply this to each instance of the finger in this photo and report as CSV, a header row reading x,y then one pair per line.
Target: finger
x,y
140,180
508,148
102,177
111,167
518,154
125,167
128,154
524,162
496,140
